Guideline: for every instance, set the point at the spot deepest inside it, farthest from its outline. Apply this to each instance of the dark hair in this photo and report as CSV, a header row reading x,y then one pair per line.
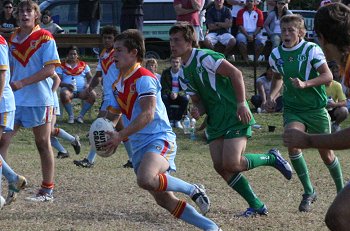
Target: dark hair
x,y
46,12
284,11
30,4
109,30
6,2
332,22
187,31
133,39
73,48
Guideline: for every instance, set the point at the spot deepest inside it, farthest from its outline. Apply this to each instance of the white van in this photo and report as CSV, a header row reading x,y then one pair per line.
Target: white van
x,y
159,16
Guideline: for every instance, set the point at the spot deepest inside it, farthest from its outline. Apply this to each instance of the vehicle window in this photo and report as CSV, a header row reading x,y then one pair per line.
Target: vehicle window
x,y
65,14
158,11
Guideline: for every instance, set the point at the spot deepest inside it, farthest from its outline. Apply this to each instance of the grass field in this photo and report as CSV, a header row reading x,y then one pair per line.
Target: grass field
x,y
106,197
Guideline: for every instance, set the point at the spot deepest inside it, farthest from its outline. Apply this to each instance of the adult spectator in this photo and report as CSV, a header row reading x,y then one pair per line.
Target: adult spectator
x,y
263,84
272,22
8,22
250,21
48,24
270,4
75,74
219,22
89,15
172,92
236,5
188,11
131,15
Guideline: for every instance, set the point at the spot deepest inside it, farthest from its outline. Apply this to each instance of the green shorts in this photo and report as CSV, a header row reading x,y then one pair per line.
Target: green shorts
x,y
316,121
234,133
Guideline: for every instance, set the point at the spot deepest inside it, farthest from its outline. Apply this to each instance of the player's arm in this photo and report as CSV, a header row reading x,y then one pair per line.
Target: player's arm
x,y
181,11
276,85
96,80
227,69
196,4
198,108
300,139
2,82
56,82
46,72
324,77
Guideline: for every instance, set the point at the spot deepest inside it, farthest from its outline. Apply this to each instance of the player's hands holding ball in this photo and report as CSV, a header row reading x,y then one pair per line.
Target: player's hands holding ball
x,y
113,142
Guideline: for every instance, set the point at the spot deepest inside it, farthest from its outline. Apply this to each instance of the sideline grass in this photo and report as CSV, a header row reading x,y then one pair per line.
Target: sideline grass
x,y
106,197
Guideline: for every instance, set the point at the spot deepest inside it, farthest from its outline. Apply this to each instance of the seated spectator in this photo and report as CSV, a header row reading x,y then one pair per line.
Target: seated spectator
x,y
8,22
75,75
172,93
250,21
272,22
337,102
152,65
236,5
219,22
263,84
270,4
48,24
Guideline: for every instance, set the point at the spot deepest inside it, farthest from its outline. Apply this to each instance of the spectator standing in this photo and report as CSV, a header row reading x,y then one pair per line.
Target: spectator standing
x,y
48,24
188,11
131,15
236,5
263,84
172,92
272,22
8,22
219,22
89,15
250,21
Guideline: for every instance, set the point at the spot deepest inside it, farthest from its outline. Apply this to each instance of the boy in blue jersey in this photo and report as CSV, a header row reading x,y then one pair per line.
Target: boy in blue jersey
x,y
33,58
7,116
138,96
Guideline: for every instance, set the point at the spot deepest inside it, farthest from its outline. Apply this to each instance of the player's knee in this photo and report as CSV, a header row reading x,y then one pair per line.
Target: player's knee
x,y
145,183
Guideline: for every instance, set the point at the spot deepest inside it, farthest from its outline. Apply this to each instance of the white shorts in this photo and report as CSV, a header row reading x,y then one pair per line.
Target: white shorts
x,y
7,120
214,38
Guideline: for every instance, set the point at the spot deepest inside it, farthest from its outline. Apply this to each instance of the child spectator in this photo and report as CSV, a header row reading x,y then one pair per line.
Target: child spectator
x,y
152,65
48,24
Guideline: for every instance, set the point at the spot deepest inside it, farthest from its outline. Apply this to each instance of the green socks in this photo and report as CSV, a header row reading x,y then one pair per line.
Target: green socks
x,y
336,173
256,160
241,185
300,168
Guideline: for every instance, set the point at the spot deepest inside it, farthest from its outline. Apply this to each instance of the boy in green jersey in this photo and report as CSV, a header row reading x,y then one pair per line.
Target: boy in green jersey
x,y
217,89
302,68
332,25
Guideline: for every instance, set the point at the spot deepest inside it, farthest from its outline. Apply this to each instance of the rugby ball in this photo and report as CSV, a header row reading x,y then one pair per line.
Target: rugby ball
x,y
98,136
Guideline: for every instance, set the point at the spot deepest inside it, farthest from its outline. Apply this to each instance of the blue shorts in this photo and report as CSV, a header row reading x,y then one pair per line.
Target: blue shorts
x,y
7,120
30,117
160,147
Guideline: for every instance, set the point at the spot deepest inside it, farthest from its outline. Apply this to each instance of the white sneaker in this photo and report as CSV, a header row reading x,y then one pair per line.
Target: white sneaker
x,y
80,120
15,188
2,202
178,124
41,196
71,120
200,198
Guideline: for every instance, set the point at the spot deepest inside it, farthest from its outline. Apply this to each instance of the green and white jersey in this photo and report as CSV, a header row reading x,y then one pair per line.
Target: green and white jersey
x,y
215,91
300,61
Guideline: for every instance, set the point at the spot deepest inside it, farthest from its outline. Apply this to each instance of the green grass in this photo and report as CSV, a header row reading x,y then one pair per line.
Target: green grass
x,y
106,197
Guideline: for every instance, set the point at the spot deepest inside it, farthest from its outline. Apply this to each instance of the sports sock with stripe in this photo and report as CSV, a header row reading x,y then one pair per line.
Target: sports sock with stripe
x,y
336,173
170,183
257,160
300,167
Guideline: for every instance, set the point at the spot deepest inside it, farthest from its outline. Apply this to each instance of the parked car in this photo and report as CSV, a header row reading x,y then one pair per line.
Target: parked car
x,y
159,16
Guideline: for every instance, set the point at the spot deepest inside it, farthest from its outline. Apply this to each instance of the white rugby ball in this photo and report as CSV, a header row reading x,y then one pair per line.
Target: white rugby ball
x,y
98,136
